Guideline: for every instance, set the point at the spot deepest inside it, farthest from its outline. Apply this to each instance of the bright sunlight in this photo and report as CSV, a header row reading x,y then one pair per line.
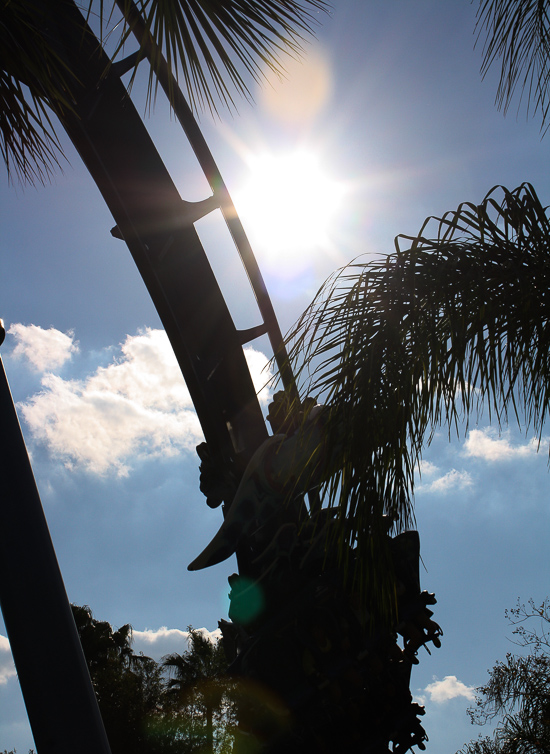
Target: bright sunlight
x,y
289,205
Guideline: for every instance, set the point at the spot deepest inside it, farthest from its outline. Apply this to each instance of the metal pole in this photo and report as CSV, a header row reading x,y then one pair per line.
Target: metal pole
x,y
50,664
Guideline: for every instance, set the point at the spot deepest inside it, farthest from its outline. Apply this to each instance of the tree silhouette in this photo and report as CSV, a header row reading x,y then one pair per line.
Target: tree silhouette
x,y
182,705
128,686
395,347
198,689
517,694
208,45
517,34
399,345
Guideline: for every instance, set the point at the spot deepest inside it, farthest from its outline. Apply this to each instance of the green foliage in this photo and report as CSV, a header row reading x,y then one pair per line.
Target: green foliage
x,y
146,712
128,687
198,688
202,41
398,345
518,691
518,35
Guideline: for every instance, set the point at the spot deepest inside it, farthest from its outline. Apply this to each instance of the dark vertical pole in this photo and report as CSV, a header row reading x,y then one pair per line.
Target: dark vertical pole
x,y
50,664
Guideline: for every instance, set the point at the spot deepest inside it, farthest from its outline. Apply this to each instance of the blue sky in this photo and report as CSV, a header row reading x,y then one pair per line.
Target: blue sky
x,y
392,105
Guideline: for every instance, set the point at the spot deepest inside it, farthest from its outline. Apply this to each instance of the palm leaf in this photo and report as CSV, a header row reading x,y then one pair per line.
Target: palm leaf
x,y
31,75
398,345
518,34
213,46
28,144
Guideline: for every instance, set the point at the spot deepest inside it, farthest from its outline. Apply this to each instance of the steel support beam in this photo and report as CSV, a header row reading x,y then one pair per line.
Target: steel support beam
x,y
52,671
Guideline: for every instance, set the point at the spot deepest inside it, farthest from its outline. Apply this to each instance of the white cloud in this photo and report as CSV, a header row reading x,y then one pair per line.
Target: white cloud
x,y
427,468
44,349
153,643
449,688
489,445
138,405
7,668
262,375
452,480
163,641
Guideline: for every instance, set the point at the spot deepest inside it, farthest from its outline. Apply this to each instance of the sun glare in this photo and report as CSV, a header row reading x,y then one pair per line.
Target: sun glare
x,y
289,204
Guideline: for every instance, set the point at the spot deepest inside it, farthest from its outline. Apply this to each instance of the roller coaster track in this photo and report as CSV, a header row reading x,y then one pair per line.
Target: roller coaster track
x,y
157,225
158,228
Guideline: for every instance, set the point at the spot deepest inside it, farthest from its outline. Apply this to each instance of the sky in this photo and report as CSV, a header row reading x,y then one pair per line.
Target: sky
x,y
390,116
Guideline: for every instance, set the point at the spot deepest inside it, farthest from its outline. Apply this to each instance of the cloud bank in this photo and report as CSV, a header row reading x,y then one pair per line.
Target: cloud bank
x,y
43,349
449,688
163,641
7,668
452,480
490,446
138,406
153,643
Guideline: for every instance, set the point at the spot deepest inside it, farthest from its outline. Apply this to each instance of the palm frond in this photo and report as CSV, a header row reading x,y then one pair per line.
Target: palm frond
x,y
28,144
398,345
518,35
32,75
484,280
212,46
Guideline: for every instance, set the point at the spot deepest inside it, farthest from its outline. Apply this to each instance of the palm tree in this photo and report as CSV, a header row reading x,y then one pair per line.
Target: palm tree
x,y
397,346
206,43
199,690
128,686
401,344
517,33
214,48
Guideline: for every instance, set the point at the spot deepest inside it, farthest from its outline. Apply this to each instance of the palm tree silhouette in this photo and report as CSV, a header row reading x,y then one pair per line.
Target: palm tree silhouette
x,y
421,337
215,47
398,346
197,685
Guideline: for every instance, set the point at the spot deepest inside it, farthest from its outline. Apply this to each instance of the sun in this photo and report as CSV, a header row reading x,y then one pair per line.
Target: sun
x,y
289,204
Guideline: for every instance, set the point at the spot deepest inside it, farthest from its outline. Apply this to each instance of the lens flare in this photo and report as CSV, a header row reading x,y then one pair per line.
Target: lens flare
x,y
247,600
299,95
